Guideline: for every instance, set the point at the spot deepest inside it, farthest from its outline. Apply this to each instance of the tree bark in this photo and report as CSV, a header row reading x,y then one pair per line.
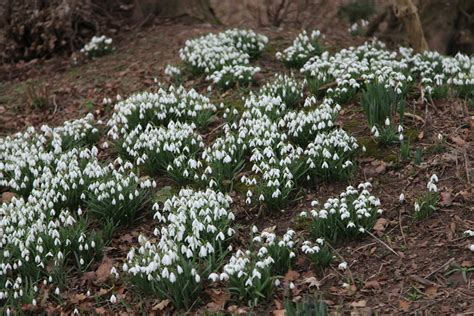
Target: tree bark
x,y
406,11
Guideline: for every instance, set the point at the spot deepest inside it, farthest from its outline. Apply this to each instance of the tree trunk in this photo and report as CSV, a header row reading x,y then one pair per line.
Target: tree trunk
x,y
406,11
448,26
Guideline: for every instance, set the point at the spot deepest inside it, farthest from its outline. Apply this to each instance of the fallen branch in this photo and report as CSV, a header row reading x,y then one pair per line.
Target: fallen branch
x,y
440,268
383,243
414,116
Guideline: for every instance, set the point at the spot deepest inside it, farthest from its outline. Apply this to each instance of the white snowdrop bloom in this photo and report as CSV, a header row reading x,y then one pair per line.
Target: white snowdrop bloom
x,y
292,285
417,207
401,198
342,266
214,277
113,299
471,247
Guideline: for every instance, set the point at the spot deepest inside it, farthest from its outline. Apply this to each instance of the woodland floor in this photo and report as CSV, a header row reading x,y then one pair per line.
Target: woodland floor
x,y
403,266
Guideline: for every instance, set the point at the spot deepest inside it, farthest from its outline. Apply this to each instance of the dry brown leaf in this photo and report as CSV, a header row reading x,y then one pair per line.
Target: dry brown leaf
x,y
234,309
404,305
458,140
278,304
421,135
279,312
446,199
103,271
291,275
361,303
351,290
373,284
76,298
380,224
219,297
161,305
312,282
100,310
7,196
88,276
126,238
270,229
381,167
431,291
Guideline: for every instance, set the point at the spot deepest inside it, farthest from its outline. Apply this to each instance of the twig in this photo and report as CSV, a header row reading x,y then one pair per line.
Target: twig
x,y
400,223
215,129
440,268
55,104
342,258
414,116
466,165
383,243
428,305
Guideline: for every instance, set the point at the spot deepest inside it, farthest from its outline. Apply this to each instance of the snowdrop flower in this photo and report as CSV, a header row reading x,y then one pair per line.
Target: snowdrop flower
x,y
417,207
113,299
401,199
342,266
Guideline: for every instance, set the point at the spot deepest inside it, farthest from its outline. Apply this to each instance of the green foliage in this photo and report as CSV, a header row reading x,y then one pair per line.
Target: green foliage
x,y
347,216
426,205
117,198
319,254
309,306
380,103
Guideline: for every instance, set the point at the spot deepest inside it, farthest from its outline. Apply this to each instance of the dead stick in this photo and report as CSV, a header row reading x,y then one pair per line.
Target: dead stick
x,y
414,116
444,265
466,165
342,258
383,243
401,227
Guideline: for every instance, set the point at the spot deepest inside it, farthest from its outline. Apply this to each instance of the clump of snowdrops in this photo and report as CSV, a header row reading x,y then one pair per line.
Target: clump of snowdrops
x,y
170,150
347,216
232,75
193,235
98,46
303,48
252,274
172,104
210,53
288,88
318,253
427,203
